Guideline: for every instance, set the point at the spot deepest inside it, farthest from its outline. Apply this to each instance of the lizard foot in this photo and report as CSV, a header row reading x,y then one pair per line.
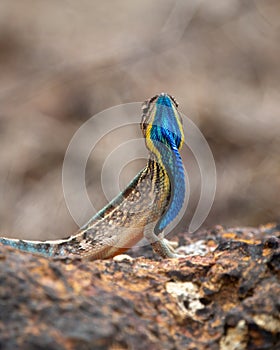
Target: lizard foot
x,y
165,249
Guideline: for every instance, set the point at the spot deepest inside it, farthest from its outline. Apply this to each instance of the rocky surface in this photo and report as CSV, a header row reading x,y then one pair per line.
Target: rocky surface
x,y
227,298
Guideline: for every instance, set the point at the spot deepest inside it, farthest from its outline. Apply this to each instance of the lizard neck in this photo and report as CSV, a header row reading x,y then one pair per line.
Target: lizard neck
x,y
173,182
164,138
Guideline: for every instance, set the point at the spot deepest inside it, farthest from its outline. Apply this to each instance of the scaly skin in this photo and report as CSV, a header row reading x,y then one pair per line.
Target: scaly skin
x,y
149,203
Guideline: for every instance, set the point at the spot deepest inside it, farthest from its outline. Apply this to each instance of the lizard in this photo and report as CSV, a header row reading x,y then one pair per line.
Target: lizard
x,y
150,202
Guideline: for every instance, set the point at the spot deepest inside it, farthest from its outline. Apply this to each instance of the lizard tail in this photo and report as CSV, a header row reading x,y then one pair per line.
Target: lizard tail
x,y
34,247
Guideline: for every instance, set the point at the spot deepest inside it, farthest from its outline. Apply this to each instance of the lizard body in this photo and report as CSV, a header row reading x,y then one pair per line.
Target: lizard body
x,y
149,203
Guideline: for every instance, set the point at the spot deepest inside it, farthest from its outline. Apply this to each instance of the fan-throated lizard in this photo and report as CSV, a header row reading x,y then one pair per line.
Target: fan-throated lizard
x,y
150,202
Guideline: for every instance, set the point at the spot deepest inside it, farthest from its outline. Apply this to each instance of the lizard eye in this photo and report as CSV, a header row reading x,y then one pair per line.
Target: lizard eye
x,y
152,99
174,100
145,107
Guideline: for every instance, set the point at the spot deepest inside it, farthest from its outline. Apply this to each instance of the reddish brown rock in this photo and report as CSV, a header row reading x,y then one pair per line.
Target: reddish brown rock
x,y
227,299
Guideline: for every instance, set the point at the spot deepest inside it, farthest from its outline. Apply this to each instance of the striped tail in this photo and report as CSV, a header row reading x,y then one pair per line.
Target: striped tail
x,y
35,247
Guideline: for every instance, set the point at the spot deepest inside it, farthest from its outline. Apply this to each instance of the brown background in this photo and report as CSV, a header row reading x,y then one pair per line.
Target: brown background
x,y
63,61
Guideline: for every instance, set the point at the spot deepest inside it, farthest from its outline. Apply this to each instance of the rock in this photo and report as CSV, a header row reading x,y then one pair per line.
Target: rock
x,y
227,299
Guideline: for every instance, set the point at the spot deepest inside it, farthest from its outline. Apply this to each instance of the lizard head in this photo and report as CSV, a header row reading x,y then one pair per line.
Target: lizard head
x,y
161,121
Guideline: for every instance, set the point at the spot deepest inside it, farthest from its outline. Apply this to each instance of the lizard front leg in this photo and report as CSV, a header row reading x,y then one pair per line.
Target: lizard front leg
x,y
160,245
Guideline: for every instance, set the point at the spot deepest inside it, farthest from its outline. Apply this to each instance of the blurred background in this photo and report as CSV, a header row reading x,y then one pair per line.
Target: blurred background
x,y
63,61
